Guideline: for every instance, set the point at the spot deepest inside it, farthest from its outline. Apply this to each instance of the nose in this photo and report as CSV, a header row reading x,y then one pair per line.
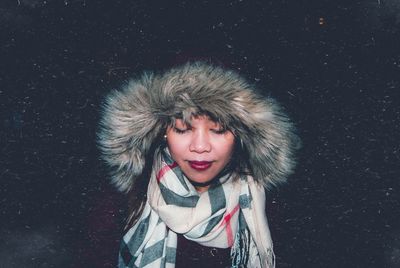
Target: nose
x,y
200,142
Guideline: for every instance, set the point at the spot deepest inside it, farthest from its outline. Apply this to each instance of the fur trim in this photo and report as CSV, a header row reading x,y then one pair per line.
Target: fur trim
x,y
135,117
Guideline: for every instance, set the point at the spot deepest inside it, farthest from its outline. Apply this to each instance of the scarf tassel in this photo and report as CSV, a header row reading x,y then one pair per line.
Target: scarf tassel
x,y
240,249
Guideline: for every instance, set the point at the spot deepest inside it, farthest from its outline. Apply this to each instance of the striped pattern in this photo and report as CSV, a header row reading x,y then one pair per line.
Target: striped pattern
x,y
221,217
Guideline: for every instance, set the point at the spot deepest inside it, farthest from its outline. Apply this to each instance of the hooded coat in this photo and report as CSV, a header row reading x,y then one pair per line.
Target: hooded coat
x,y
135,119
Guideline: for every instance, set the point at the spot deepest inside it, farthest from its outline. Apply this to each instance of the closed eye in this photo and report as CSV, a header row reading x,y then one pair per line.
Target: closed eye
x,y
180,131
219,131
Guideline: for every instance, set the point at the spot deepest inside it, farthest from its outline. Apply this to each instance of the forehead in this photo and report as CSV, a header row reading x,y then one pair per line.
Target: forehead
x,y
187,116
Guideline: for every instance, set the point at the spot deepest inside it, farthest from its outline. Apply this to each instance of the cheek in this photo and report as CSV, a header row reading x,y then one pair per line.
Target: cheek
x,y
226,148
175,146
230,151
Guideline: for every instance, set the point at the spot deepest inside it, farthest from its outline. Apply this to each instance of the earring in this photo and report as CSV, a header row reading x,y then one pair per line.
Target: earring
x,y
165,136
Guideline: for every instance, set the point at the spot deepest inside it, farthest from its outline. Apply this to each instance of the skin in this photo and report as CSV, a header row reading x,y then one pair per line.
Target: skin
x,y
201,149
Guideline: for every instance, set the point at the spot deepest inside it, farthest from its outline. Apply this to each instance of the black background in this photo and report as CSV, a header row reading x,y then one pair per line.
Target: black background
x,y
334,65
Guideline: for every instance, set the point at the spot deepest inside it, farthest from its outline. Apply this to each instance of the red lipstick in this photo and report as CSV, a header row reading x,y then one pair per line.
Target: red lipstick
x,y
200,165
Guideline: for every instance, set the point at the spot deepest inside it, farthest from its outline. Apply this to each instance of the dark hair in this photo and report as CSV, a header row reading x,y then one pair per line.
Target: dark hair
x,y
138,192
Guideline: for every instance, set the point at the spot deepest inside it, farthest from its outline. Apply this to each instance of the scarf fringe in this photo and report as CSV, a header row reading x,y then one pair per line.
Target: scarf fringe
x,y
240,249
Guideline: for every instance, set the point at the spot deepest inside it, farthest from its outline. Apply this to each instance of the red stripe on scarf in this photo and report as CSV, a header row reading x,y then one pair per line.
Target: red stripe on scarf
x,y
227,222
164,170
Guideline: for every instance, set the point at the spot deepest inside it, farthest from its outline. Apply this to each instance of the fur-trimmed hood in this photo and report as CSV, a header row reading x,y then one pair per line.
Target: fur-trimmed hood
x,y
136,116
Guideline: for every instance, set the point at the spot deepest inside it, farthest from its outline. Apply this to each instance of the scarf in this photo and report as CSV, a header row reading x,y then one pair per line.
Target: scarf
x,y
230,214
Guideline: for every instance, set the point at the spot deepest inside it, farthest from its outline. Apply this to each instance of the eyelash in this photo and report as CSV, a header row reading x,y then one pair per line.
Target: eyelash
x,y
180,131
219,131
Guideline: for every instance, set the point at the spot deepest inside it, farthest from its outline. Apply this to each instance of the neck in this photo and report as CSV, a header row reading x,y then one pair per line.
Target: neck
x,y
201,189
201,186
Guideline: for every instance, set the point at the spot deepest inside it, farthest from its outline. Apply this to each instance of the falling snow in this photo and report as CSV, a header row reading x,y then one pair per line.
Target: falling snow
x,y
333,65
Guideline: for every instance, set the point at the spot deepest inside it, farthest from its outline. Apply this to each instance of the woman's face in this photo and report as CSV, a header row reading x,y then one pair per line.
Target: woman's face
x,y
201,149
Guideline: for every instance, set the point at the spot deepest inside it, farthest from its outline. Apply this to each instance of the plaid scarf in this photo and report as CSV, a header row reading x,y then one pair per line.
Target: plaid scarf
x,y
230,214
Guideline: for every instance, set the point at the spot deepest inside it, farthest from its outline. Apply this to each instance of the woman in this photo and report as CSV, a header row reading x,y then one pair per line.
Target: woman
x,y
194,148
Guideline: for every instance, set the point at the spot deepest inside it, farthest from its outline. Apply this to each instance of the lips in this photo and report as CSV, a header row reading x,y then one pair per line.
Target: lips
x,y
200,165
